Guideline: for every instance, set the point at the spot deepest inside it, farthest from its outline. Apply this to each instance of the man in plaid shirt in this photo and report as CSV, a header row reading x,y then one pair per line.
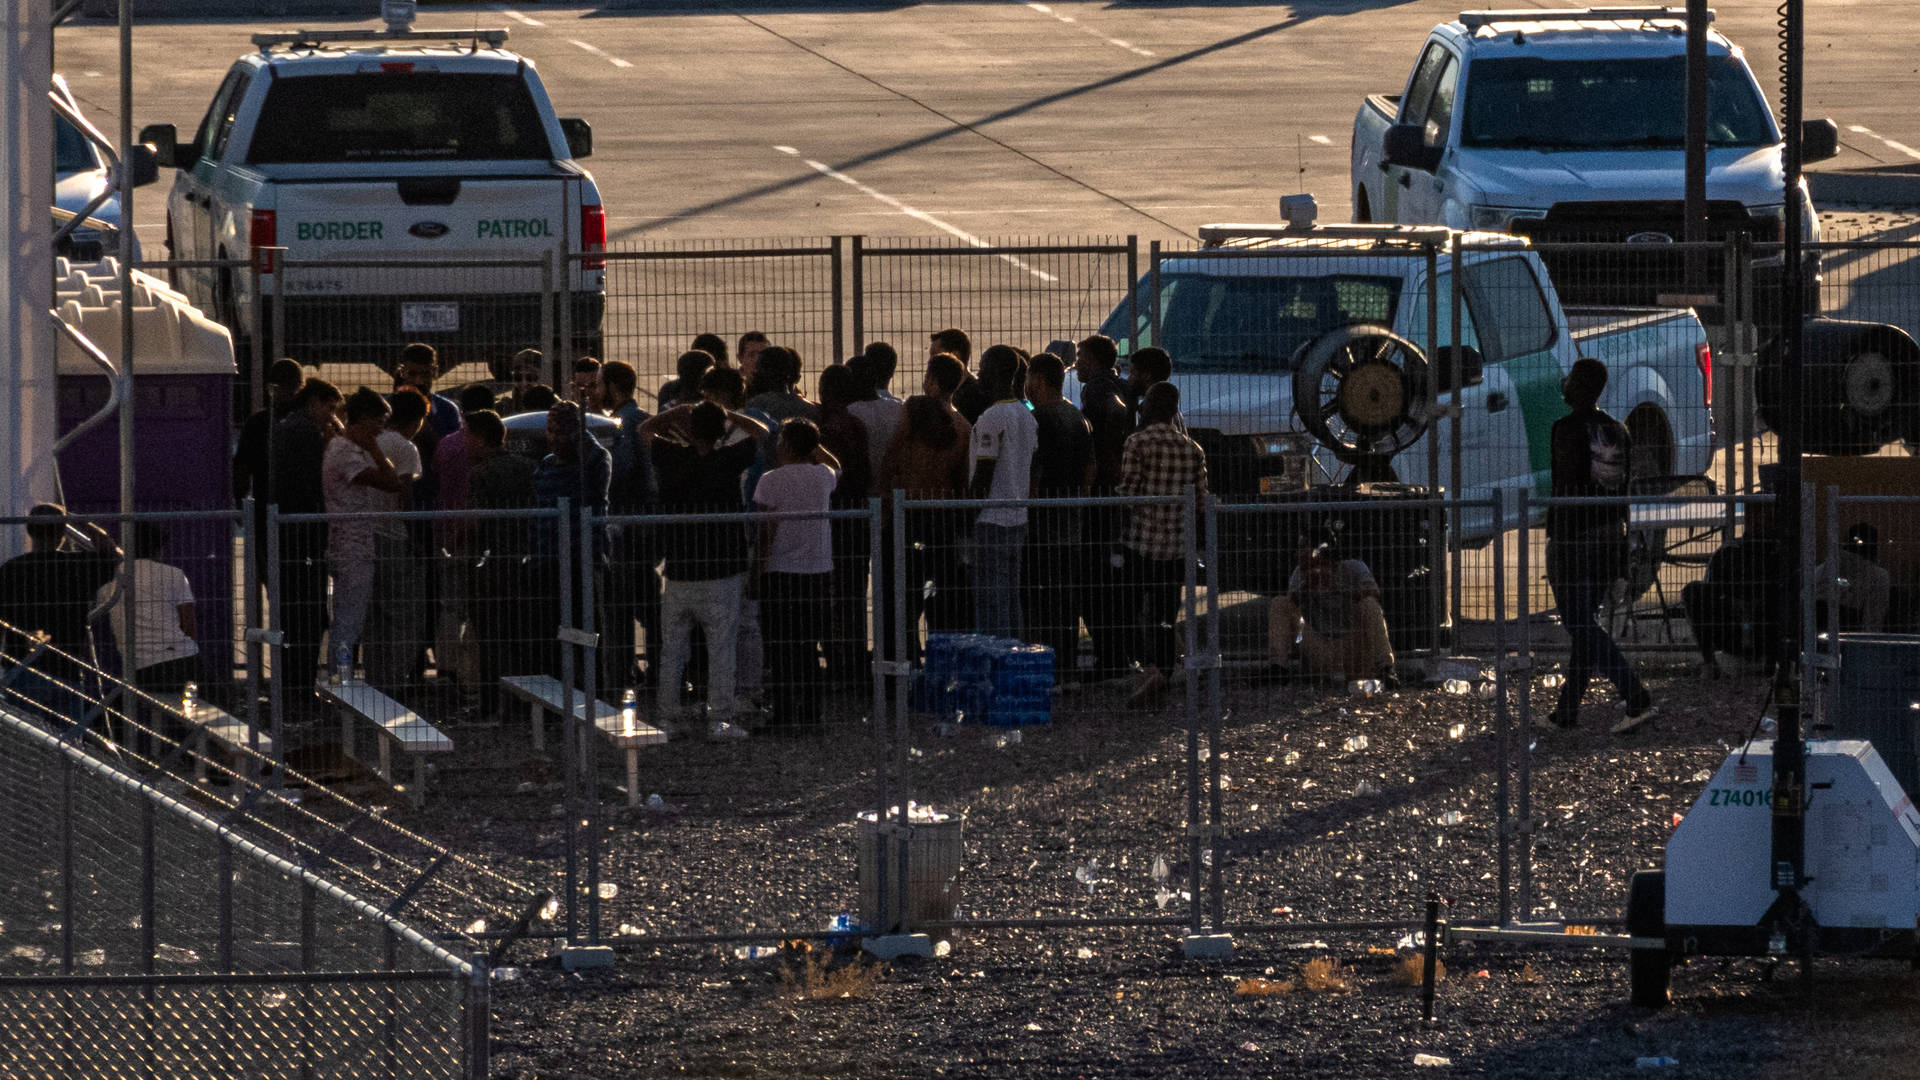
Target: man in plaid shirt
x,y
1159,460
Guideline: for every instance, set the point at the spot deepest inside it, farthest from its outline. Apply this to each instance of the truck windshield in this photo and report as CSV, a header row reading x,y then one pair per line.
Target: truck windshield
x,y
1245,324
1528,103
71,154
415,116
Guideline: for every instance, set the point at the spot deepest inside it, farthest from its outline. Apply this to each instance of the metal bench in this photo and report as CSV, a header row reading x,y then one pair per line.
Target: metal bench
x,y
397,724
544,694
211,723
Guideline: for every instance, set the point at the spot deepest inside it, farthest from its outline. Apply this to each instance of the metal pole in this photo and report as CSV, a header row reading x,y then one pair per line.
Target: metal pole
x,y
859,290
1153,292
837,258
896,764
548,317
1455,555
1695,205
1503,730
1432,954
1524,577
569,731
66,865
1188,542
250,572
277,647
1133,292
124,182
1216,884
479,1009
589,731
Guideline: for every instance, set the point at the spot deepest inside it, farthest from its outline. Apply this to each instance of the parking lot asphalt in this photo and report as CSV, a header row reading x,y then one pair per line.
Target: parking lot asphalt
x,y
971,119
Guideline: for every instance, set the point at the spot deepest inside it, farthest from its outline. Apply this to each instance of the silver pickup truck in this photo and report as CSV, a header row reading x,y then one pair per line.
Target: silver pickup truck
x,y
1238,315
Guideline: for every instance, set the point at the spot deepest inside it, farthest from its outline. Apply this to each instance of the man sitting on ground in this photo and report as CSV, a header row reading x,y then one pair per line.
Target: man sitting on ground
x,y
1332,611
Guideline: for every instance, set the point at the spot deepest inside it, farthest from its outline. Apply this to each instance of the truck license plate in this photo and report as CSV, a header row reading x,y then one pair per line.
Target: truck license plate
x,y
424,318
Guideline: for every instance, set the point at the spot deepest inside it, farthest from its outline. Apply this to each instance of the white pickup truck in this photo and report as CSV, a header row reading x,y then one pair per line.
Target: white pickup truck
x,y
438,148
1569,125
1238,316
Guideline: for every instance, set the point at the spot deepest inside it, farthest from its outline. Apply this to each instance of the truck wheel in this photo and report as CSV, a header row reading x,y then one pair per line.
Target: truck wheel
x,y
1652,442
1362,209
1650,971
1861,387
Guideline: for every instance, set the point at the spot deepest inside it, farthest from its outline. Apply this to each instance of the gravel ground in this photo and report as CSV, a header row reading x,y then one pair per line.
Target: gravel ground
x,y
759,836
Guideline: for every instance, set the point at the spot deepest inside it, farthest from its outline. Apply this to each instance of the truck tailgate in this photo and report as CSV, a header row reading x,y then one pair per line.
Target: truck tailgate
x,y
439,220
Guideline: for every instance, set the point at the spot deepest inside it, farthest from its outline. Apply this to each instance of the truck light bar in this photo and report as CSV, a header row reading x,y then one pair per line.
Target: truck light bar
x,y
492,38
1474,20
1218,235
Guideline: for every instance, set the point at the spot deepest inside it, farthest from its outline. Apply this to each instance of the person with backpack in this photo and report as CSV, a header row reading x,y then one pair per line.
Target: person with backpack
x,y
1587,545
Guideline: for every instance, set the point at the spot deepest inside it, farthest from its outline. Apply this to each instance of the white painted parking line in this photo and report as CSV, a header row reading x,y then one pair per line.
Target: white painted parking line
x,y
602,54
962,235
517,16
1899,146
1321,139
1075,23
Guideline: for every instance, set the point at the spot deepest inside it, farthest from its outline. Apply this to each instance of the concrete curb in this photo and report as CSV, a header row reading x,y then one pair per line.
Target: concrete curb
x,y
1885,185
109,10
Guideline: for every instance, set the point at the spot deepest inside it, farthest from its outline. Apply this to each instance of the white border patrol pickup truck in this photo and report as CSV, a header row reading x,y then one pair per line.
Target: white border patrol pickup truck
x,y
1569,125
434,148
1238,315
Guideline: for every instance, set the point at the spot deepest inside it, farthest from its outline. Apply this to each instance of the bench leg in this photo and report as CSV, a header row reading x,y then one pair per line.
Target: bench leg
x,y
539,718
386,759
346,731
419,792
633,776
201,743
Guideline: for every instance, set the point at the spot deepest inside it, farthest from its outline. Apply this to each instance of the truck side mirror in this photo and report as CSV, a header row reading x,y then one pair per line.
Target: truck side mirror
x,y
1819,139
165,142
1406,145
143,168
1471,367
579,135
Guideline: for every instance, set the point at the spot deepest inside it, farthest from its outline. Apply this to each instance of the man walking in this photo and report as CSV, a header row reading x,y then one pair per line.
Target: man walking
x,y
1587,545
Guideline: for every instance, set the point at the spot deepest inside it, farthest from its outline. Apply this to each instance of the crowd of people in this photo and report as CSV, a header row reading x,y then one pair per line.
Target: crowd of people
x,y
720,560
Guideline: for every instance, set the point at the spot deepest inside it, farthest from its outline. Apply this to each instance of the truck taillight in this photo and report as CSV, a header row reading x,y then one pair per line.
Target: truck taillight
x,y
263,232
593,236
1703,356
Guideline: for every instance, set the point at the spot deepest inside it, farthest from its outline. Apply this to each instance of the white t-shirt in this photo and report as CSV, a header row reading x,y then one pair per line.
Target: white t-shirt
x,y
802,546
1008,434
404,456
342,462
159,591
881,417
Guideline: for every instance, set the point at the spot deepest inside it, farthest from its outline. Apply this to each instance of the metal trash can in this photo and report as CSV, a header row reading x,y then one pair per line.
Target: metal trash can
x,y
935,849
1871,696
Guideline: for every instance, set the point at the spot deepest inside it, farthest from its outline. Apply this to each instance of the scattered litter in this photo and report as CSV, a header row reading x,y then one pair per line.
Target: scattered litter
x,y
549,910
1702,776
1003,739
1431,1059
1083,953
1354,743
1250,1047
1451,817
723,729
1033,1025
942,948
1483,973
629,930
608,890
755,952
1486,691
505,974
1457,687
1308,784
477,926
1160,870
1553,682
1292,758
526,787
1457,732
1308,946
1366,788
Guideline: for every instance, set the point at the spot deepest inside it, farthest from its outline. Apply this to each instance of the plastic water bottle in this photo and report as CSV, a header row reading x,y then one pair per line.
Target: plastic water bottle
x,y
189,698
342,664
629,710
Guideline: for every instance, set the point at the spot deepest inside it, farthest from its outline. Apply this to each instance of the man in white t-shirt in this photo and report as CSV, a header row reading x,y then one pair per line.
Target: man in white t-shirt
x,y
397,620
795,561
166,657
356,477
1004,439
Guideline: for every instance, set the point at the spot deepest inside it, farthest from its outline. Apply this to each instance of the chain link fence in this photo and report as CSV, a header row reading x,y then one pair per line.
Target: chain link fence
x,y
145,936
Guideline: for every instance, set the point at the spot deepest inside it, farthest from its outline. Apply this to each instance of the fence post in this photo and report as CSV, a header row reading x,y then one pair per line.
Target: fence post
x,y
304,990
838,257
549,314
1502,726
1133,275
1809,501
569,730
66,865
479,1019
277,647
279,263
1153,291
859,290
589,748
1454,555
256,347
1216,884
1199,838
1524,576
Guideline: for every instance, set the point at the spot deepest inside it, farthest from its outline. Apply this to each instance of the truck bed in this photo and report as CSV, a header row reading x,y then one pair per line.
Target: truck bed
x,y
1595,321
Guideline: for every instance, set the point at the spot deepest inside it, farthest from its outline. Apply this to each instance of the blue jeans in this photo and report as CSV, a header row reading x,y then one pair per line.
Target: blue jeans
x,y
1580,574
997,551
